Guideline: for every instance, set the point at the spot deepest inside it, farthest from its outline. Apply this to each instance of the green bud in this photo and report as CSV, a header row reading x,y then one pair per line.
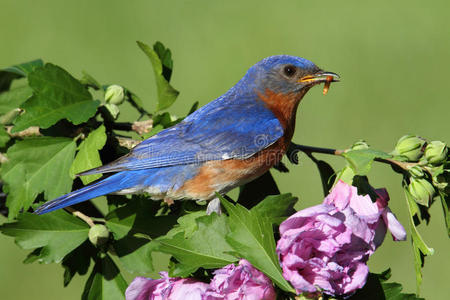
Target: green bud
x,y
360,145
436,152
416,171
421,190
98,235
114,94
410,146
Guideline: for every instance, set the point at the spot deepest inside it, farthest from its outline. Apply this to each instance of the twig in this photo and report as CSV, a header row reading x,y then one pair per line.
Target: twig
x,y
80,215
32,131
140,127
310,149
127,142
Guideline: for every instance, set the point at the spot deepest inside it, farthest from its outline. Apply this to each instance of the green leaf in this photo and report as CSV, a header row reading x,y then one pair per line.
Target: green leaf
x,y
14,98
205,248
105,282
32,256
25,68
7,75
88,157
4,137
193,108
127,223
57,232
186,224
346,175
361,160
57,95
420,249
327,176
36,165
445,201
377,288
166,93
251,237
78,261
276,208
89,81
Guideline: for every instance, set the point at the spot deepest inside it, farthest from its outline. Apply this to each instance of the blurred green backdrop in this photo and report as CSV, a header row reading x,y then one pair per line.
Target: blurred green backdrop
x,y
393,57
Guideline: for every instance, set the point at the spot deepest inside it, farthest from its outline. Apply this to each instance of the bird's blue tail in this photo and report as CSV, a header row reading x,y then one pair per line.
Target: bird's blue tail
x,y
108,185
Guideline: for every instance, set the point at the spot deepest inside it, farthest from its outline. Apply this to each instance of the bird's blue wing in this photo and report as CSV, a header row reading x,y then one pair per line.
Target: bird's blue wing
x,y
223,129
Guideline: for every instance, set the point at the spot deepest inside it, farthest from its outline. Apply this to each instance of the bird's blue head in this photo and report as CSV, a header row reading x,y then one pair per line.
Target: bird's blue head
x,y
285,74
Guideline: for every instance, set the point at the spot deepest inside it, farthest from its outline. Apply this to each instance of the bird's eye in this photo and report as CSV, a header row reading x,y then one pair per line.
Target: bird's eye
x,y
289,70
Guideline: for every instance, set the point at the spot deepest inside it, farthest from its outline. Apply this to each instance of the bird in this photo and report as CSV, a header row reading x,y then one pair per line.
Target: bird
x,y
228,142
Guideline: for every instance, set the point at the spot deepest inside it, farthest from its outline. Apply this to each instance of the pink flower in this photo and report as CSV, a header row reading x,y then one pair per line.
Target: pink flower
x,y
165,288
326,247
242,282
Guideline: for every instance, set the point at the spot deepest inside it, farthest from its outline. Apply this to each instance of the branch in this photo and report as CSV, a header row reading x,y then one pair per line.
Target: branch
x,y
140,127
32,131
294,148
80,215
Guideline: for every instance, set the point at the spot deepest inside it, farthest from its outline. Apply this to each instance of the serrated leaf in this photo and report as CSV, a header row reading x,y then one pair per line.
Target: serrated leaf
x,y
88,156
36,165
420,249
186,224
4,137
276,208
206,247
58,233
251,237
57,95
137,217
105,282
7,75
166,93
14,98
361,160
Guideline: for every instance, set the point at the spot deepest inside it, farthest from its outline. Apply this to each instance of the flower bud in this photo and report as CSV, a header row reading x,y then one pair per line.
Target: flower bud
x,y
360,145
421,190
114,94
415,171
436,152
98,235
410,146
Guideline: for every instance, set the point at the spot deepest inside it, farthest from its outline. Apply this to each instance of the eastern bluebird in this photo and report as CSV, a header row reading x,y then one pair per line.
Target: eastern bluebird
x,y
226,143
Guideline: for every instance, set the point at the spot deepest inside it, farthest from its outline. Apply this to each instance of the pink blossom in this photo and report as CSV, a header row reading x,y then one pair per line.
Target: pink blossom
x,y
242,282
165,288
326,247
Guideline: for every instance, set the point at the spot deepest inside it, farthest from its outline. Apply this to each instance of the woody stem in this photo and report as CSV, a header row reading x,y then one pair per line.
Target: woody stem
x,y
310,149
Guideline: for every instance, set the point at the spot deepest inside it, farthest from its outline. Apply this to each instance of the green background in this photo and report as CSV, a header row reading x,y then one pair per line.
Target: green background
x,y
393,57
